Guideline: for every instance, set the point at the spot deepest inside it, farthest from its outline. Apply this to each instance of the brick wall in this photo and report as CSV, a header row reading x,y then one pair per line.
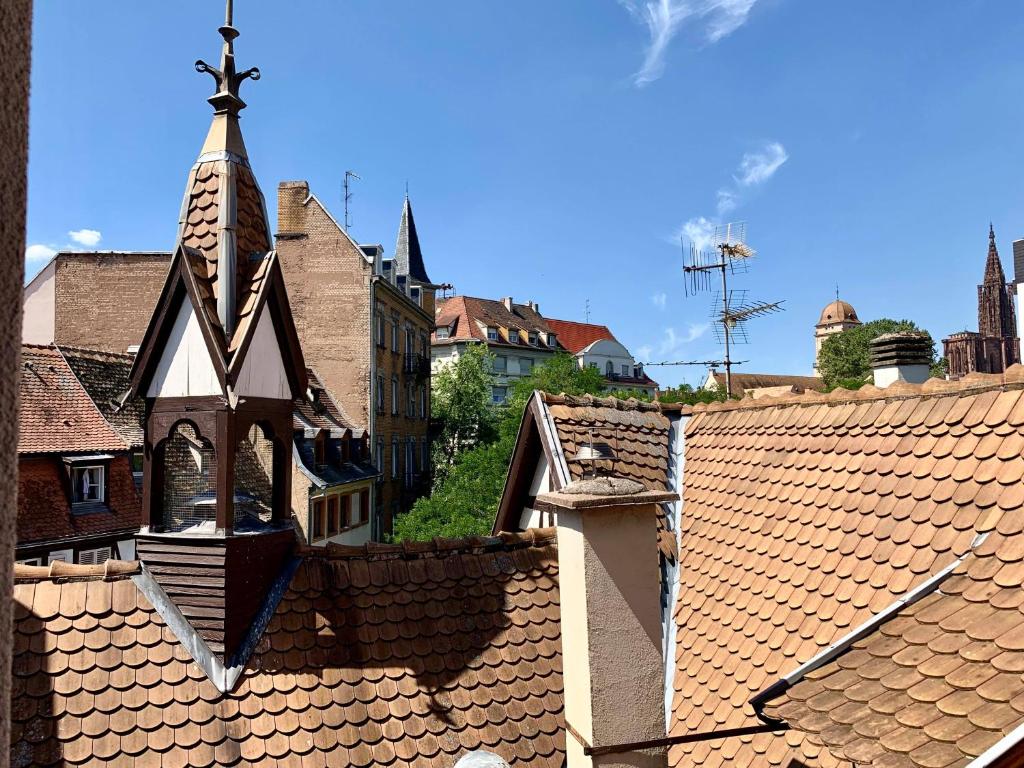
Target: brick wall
x,y
105,301
328,283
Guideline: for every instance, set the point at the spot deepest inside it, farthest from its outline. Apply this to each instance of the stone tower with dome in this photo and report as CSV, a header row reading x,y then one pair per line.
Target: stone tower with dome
x,y
837,316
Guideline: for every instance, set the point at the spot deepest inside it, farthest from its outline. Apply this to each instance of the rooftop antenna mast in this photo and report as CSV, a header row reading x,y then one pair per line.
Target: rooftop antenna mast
x,y
730,309
348,194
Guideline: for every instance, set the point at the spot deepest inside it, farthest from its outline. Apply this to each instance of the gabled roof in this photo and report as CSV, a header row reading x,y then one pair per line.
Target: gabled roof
x,y
805,515
56,413
936,683
106,376
463,313
576,337
741,382
408,257
377,655
323,411
560,425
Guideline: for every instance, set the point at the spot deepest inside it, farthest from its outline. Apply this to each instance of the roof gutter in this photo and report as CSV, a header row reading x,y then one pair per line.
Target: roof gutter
x,y
842,645
993,754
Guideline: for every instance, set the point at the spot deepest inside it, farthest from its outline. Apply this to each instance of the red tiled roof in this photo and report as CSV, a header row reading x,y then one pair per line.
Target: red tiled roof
x,y
56,414
380,655
576,337
463,313
938,683
805,515
741,382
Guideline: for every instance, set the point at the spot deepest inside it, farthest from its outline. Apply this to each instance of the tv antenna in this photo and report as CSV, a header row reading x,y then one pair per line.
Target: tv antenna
x,y
348,194
730,309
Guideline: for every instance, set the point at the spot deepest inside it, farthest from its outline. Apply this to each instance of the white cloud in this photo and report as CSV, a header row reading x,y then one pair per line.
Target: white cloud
x,y
664,18
39,252
660,299
726,201
673,341
643,354
700,231
90,238
757,167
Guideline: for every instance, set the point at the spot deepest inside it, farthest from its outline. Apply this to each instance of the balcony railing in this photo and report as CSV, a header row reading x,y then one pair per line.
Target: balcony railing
x,y
416,364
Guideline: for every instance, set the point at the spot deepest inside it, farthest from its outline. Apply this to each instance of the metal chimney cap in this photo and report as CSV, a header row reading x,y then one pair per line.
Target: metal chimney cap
x,y
594,452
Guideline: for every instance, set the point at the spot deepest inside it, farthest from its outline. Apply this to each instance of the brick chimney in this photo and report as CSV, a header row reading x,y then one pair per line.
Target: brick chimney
x,y
291,208
901,357
611,621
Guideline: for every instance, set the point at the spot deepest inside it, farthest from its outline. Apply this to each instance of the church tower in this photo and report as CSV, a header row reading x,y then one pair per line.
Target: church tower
x,y
995,346
218,369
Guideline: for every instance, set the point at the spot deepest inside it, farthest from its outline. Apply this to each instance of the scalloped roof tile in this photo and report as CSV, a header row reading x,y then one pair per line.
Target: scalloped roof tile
x,y
378,655
803,516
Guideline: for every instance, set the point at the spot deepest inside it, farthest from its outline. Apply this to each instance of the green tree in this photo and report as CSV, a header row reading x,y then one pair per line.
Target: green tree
x,y
687,395
465,501
845,358
461,404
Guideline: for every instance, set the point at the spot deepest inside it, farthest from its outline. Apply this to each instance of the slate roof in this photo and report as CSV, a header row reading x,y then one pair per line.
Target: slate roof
x,y
408,256
804,516
106,376
56,414
377,655
326,413
741,382
936,684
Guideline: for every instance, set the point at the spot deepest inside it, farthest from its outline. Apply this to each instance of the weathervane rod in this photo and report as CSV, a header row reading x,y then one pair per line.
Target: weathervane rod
x,y
229,13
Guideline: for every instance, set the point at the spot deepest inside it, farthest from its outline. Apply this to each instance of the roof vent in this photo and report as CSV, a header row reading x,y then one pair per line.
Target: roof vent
x,y
901,357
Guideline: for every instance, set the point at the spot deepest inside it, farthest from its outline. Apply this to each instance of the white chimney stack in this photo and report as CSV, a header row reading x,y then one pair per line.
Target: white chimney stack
x,y
611,622
901,357
507,301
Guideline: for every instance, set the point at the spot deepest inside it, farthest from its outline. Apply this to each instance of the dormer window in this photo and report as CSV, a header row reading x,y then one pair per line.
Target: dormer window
x,y
319,451
88,484
416,295
513,336
533,338
552,340
442,332
492,333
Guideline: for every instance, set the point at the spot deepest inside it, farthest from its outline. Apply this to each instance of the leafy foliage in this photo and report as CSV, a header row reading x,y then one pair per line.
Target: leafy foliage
x,y
461,403
845,357
465,501
687,395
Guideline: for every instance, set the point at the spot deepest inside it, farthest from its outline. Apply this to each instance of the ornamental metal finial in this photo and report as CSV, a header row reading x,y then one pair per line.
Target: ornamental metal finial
x,y
226,99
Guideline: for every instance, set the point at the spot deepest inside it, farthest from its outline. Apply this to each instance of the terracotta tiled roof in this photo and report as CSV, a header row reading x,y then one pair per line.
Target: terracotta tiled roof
x,y
805,515
741,382
382,655
638,434
938,683
465,312
576,337
106,376
56,414
330,415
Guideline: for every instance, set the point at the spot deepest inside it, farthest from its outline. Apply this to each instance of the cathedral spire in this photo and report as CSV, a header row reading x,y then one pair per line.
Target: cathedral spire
x,y
993,267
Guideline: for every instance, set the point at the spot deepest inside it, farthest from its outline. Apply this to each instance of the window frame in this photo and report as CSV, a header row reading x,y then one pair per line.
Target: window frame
x,y
79,470
395,335
492,333
332,528
504,364
395,468
380,393
394,395
442,332
317,509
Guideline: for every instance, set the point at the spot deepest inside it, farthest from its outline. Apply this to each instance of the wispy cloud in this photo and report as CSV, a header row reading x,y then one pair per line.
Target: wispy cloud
x,y
759,166
643,354
660,299
90,238
673,341
39,252
755,168
664,19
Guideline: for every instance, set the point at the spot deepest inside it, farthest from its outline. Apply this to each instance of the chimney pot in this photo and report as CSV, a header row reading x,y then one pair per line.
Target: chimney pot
x,y
901,357
611,618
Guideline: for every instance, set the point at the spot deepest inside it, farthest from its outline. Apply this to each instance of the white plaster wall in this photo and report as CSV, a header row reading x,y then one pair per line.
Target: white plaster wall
x,y
40,307
263,372
185,369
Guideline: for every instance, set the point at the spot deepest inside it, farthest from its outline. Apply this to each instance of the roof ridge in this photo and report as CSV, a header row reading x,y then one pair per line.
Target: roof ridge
x,y
92,351
58,569
973,383
437,547
616,403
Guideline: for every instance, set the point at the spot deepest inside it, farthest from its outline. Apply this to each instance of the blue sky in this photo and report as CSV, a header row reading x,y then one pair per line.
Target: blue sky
x,y
556,150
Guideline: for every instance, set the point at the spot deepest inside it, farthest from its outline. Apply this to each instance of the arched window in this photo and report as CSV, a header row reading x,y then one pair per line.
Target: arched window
x,y
190,481
609,369
254,479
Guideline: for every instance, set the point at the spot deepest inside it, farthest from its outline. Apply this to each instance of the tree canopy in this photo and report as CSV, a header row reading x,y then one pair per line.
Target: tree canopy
x,y
461,404
845,358
465,500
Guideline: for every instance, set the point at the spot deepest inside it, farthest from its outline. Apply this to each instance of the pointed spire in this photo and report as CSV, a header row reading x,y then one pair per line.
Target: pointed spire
x,y
226,99
993,267
408,257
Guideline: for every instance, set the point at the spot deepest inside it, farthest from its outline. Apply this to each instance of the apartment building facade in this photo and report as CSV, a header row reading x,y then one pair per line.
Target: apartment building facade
x,y
364,319
519,338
